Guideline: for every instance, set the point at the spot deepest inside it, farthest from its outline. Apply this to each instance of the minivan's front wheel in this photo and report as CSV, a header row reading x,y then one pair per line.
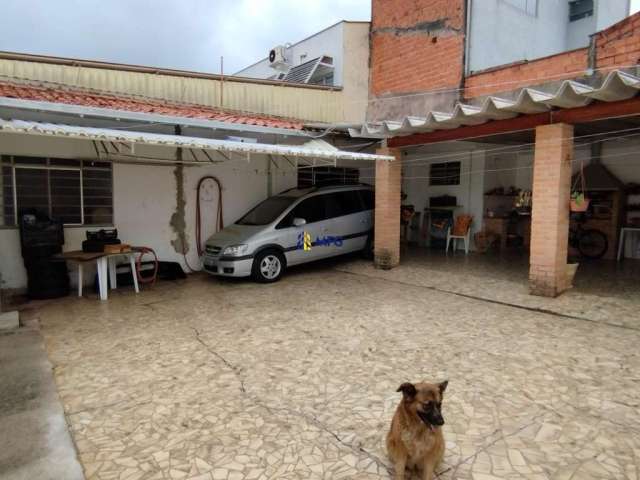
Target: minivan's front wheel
x,y
268,266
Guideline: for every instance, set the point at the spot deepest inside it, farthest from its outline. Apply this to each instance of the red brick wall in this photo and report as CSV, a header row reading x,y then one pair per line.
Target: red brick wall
x,y
556,67
619,45
387,216
416,45
550,215
616,47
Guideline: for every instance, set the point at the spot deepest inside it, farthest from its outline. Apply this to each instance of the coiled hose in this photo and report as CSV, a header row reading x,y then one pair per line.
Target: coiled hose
x,y
219,220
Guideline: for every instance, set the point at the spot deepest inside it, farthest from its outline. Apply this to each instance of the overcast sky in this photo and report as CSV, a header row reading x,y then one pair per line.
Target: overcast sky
x,y
185,34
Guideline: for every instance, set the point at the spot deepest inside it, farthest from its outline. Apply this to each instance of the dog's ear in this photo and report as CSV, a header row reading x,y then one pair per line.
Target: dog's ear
x,y
443,386
408,390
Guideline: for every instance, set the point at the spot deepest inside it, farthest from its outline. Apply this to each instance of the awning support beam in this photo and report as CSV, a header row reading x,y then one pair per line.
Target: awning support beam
x,y
590,113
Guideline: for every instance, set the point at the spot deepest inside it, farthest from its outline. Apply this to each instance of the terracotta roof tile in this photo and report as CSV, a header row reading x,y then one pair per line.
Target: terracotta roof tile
x,y
103,100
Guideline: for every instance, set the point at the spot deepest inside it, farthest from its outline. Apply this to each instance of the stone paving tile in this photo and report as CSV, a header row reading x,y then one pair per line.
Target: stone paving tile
x,y
606,292
210,379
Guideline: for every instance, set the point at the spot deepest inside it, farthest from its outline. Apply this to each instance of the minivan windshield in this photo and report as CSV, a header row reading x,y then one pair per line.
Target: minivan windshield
x,y
266,212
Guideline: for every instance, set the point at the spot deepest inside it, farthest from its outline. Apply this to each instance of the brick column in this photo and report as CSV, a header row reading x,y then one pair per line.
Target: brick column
x,y
550,215
387,218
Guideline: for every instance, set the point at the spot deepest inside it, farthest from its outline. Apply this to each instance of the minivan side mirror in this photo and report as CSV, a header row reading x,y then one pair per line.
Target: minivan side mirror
x,y
298,222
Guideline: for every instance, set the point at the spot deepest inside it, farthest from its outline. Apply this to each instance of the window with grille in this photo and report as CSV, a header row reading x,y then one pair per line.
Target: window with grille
x,y
318,176
77,192
444,173
579,9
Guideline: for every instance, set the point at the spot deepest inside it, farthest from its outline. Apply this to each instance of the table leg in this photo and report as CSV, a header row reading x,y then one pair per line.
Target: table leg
x,y
102,277
132,262
112,272
621,244
80,279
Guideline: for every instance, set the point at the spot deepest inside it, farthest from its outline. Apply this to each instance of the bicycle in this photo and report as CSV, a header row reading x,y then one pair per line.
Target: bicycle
x,y
590,242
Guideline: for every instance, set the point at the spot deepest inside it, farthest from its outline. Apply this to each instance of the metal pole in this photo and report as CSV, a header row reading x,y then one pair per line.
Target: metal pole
x,y
221,82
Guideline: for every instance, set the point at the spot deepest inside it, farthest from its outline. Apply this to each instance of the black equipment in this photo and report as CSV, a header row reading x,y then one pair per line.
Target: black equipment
x,y
41,238
96,241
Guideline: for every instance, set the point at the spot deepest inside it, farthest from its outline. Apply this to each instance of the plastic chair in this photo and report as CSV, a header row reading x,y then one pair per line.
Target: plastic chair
x,y
461,231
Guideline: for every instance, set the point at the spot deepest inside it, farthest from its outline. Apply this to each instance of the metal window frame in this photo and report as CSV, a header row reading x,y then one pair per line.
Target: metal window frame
x,y
48,167
439,180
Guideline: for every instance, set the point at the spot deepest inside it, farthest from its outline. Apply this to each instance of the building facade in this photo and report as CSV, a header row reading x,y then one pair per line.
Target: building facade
x,y
336,56
426,55
482,101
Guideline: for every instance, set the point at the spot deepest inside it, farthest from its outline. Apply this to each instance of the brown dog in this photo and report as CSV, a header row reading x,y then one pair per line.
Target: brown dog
x,y
415,439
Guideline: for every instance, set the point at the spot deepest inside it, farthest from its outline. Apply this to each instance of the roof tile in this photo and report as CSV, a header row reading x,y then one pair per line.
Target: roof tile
x,y
104,100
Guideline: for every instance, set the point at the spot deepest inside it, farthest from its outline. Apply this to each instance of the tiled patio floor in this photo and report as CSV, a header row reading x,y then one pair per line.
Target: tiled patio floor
x,y
208,379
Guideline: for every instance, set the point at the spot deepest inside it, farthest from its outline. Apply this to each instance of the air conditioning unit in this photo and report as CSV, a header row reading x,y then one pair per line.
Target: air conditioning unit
x,y
278,58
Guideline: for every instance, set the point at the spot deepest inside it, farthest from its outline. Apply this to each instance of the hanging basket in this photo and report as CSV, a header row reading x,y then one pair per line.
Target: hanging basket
x,y
579,201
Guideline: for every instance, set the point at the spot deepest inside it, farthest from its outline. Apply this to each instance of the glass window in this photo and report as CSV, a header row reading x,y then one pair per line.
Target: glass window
x,y
333,206
65,196
266,212
445,173
97,189
312,209
318,176
72,191
350,202
7,215
32,189
579,9
368,198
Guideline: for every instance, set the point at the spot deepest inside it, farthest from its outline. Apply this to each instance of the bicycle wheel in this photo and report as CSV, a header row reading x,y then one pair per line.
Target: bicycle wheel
x,y
592,244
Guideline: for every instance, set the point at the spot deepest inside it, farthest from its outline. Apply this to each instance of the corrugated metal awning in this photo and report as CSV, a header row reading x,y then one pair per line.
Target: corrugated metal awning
x,y
615,86
310,151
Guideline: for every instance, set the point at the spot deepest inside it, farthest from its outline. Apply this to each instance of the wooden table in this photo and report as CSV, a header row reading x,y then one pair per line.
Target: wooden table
x,y
621,244
103,261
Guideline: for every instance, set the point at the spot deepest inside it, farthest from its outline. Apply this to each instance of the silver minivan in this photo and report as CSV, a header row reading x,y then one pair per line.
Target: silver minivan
x,y
294,227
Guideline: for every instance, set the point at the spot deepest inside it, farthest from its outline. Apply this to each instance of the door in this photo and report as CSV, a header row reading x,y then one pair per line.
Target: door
x,y
351,226
301,242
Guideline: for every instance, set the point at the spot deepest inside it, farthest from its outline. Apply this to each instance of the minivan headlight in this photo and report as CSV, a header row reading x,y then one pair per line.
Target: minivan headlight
x,y
235,250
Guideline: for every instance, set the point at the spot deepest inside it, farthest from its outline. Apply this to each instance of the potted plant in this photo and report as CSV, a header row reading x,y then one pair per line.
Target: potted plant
x,y
579,200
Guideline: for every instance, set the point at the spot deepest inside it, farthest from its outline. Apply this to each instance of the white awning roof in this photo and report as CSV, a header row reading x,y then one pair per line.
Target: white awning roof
x,y
310,151
615,86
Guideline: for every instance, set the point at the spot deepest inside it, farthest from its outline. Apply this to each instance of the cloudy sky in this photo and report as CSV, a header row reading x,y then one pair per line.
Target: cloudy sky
x,y
185,34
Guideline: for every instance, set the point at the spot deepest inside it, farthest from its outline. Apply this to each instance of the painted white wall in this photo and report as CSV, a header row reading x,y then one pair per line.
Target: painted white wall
x,y
348,44
144,200
502,33
608,12
326,42
469,193
578,32
355,71
486,166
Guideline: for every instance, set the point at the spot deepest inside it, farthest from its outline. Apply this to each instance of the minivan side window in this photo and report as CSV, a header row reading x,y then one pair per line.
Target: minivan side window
x,y
332,205
350,202
311,209
368,199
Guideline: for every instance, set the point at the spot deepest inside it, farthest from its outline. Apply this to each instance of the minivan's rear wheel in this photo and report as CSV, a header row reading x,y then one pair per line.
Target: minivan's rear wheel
x,y
268,266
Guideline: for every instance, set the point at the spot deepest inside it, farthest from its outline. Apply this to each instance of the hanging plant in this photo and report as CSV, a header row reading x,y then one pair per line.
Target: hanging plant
x,y
579,200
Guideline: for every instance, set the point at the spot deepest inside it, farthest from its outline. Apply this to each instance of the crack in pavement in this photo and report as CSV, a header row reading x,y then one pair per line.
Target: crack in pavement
x,y
309,418
485,447
544,311
229,365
